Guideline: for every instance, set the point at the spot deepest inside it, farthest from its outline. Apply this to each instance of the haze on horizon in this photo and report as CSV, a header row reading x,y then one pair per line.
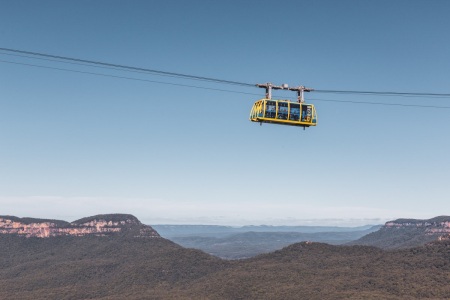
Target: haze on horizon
x,y
153,212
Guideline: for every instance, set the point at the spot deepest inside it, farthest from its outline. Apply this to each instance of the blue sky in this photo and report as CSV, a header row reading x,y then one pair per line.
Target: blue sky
x,y
74,145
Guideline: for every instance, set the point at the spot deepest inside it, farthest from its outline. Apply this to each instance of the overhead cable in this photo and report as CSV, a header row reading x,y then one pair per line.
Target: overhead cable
x,y
51,57
213,89
128,67
379,93
123,77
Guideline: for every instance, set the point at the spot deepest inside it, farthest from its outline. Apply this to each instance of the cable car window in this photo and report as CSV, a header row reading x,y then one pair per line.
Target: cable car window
x,y
306,113
271,109
259,109
282,110
294,113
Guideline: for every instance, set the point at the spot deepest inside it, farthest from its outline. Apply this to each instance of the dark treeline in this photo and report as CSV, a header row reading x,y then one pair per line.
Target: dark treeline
x,y
118,267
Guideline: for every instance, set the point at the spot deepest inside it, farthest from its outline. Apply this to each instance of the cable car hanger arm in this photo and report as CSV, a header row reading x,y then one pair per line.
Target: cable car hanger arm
x,y
300,90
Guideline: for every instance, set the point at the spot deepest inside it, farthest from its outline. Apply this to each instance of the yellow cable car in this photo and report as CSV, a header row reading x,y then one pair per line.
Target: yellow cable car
x,y
284,112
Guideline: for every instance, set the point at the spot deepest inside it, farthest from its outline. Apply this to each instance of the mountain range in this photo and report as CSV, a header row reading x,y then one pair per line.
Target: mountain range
x,y
128,263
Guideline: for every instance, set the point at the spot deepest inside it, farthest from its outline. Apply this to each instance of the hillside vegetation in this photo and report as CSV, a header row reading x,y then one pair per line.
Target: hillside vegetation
x,y
118,267
97,267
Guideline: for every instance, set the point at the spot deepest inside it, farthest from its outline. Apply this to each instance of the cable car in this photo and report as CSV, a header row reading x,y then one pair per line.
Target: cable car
x,y
284,112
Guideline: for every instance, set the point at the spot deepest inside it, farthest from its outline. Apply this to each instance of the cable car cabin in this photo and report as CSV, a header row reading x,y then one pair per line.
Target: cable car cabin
x,y
283,112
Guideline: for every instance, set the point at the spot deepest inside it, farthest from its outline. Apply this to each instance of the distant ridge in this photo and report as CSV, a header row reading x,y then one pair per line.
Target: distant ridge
x,y
99,225
233,244
405,233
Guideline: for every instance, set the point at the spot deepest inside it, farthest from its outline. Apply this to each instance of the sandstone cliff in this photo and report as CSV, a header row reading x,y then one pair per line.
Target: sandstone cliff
x,y
100,225
405,233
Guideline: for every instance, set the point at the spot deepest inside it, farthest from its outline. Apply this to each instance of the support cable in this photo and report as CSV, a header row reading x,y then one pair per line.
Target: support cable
x,y
214,89
210,79
129,67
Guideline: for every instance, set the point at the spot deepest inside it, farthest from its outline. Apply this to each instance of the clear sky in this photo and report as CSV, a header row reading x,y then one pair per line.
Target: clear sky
x,y
74,145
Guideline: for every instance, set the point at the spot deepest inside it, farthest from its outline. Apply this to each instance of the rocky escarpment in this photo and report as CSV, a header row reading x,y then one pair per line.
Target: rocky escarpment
x,y
404,233
99,225
438,225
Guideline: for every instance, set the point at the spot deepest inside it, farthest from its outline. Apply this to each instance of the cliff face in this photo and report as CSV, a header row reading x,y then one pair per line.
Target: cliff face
x,y
438,225
405,233
100,225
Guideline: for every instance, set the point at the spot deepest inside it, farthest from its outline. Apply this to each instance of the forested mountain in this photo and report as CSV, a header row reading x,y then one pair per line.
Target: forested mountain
x,y
129,266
